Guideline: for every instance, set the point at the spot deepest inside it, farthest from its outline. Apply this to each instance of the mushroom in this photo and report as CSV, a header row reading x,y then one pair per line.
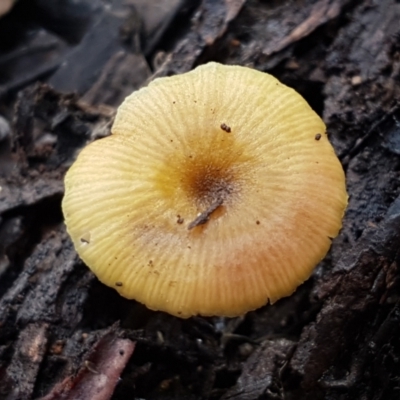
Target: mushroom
x,y
187,216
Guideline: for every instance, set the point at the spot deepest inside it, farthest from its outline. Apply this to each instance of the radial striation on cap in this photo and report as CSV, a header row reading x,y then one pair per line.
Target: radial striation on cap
x,y
217,192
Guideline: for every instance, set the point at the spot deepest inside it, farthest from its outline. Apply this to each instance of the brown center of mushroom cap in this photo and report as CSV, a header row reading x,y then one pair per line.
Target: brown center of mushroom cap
x,y
205,172
210,184
205,183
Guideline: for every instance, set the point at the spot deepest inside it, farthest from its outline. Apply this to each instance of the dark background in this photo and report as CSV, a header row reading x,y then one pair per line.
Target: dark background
x,y
64,68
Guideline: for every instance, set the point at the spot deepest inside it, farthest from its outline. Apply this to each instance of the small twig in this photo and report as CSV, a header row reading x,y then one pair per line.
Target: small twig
x,y
203,218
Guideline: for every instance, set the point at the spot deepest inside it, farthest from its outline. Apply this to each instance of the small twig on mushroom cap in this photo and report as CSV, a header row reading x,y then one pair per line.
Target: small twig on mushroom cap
x,y
203,218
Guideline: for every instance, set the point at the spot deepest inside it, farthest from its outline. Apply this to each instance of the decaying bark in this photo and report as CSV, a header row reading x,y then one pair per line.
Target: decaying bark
x,y
62,333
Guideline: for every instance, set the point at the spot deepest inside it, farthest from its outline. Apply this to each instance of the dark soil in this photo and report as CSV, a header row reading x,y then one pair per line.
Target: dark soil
x,y
64,68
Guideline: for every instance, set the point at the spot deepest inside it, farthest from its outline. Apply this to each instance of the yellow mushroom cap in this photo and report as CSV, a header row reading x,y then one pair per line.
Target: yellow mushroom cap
x,y
217,191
